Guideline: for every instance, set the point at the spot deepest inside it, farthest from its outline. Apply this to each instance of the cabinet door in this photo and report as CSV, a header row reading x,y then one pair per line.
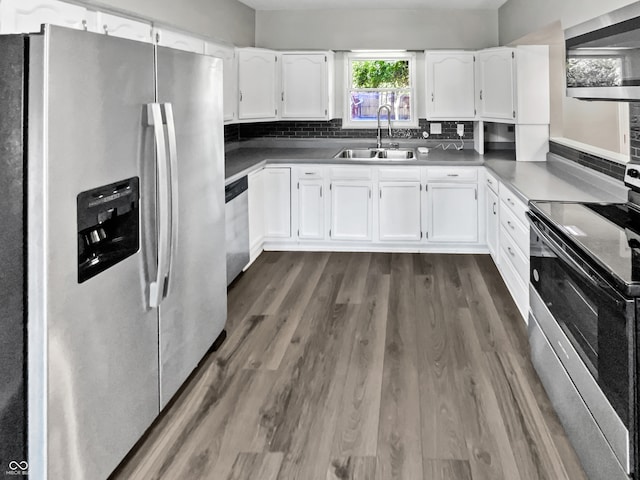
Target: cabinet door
x,y
493,223
24,16
351,210
277,202
179,41
450,85
311,209
230,77
257,78
399,211
124,27
453,212
256,213
304,86
497,84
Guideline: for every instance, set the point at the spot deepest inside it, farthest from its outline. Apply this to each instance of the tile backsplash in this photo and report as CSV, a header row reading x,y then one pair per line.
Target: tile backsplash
x,y
613,169
333,129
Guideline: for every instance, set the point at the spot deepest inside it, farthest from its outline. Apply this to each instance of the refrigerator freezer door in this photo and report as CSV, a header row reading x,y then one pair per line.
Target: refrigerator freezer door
x,y
93,346
194,312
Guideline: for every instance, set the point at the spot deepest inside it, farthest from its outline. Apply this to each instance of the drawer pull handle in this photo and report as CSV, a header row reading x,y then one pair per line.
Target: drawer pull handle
x,y
309,173
511,202
511,252
494,208
452,175
510,225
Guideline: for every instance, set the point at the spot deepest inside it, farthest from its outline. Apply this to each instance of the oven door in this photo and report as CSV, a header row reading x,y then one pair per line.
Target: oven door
x,y
590,329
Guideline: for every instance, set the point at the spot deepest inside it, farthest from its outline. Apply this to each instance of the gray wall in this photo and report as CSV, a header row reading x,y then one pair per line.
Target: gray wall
x,y
376,29
227,20
517,18
600,124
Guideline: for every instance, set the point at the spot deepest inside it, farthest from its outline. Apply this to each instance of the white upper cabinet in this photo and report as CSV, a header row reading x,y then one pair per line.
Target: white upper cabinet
x,y
257,83
496,73
307,85
124,27
230,77
177,40
25,16
513,84
450,78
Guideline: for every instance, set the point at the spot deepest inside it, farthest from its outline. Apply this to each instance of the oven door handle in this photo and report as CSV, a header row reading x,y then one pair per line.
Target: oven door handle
x,y
593,278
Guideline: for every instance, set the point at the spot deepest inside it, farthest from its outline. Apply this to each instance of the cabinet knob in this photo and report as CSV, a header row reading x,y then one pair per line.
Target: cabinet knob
x,y
480,94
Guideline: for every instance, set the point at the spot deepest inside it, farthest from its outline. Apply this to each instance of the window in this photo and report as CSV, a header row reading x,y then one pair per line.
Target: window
x,y
374,79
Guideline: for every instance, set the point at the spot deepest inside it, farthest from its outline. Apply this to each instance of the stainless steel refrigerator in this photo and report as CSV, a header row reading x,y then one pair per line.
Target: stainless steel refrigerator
x,y
124,239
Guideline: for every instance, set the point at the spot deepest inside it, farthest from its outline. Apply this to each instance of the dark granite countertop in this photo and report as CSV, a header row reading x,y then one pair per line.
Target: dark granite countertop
x,y
552,179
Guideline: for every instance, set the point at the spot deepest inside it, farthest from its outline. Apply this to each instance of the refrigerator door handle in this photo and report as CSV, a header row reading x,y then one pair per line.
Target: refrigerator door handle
x,y
173,183
156,288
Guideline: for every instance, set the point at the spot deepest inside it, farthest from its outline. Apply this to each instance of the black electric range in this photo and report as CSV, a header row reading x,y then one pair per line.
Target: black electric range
x,y
585,298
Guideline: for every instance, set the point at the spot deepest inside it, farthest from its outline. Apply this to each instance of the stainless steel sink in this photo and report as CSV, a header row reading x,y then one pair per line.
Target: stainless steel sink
x,y
396,154
383,154
363,153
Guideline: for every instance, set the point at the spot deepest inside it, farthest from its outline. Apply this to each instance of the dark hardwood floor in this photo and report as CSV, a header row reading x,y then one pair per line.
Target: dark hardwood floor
x,y
363,366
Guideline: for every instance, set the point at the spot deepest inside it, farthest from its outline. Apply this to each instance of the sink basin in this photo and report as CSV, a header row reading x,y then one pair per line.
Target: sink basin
x,y
357,153
377,154
396,154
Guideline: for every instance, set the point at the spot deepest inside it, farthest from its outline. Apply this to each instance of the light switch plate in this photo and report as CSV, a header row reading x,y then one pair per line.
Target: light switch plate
x,y
435,128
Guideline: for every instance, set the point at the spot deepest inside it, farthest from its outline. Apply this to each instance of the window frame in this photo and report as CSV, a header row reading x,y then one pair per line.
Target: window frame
x,y
349,57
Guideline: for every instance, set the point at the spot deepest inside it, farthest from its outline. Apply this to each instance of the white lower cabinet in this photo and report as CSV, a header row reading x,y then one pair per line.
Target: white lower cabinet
x,y
256,213
493,219
277,203
311,209
399,211
351,210
452,212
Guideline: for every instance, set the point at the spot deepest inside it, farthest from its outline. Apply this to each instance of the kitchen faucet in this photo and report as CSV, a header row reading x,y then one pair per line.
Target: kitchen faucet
x,y
388,107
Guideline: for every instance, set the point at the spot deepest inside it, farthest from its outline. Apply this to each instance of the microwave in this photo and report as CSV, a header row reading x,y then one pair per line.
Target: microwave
x,y
603,56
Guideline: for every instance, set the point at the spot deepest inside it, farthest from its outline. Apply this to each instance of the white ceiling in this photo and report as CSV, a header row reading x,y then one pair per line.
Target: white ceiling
x,y
390,4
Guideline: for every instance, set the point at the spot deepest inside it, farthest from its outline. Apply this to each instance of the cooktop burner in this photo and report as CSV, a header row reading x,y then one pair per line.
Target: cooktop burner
x,y
609,234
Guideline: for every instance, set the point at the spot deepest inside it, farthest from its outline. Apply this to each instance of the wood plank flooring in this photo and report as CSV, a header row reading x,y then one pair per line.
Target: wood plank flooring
x,y
367,366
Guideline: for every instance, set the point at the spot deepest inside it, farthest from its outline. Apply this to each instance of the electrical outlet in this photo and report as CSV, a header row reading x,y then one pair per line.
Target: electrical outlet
x,y
460,129
435,128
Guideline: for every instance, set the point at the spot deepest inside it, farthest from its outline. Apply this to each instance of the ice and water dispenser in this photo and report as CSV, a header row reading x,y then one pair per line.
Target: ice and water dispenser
x,y
108,226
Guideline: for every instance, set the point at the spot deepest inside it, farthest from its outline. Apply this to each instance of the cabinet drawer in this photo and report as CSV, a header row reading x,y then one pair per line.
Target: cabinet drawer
x,y
519,290
492,182
518,231
310,172
351,173
452,174
518,207
399,173
515,254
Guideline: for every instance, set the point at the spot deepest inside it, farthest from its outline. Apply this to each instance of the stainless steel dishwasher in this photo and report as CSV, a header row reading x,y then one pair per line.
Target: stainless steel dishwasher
x,y
237,227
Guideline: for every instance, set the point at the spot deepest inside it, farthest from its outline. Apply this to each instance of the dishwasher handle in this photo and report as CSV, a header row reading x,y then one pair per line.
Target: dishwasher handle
x,y
236,188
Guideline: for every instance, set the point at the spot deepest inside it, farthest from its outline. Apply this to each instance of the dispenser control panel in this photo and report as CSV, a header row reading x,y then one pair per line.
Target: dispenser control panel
x,y
108,226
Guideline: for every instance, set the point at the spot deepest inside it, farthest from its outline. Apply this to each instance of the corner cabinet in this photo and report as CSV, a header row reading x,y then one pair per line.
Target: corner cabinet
x,y
492,216
307,85
450,79
513,84
277,202
257,84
